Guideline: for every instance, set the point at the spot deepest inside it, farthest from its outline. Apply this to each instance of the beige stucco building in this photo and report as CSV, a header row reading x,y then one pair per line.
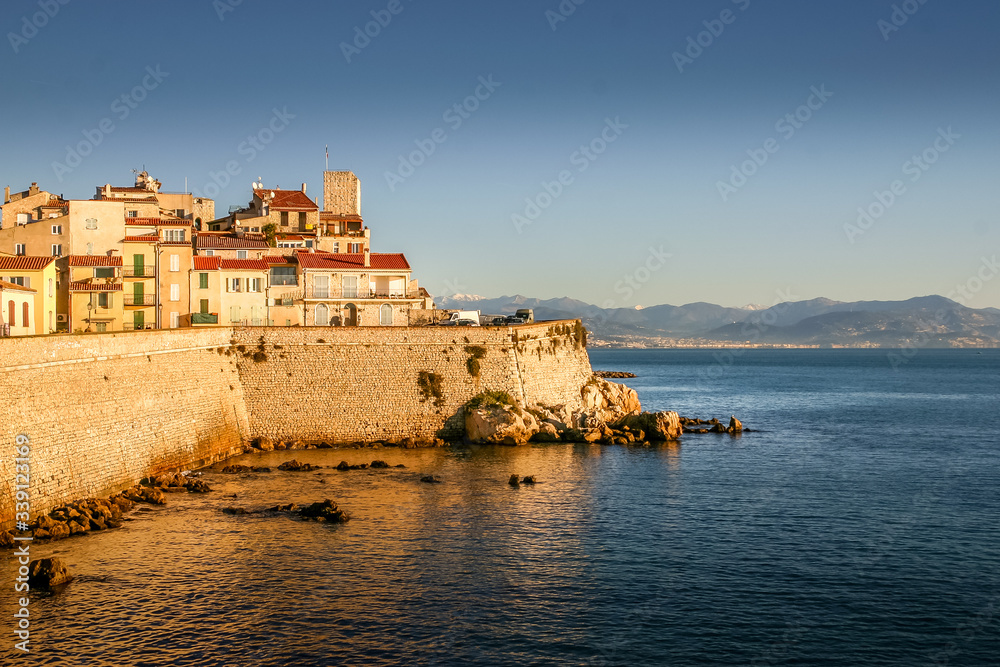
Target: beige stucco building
x,y
17,309
39,274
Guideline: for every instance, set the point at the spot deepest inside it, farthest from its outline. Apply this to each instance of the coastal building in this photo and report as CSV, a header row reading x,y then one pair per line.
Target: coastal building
x,y
96,298
38,274
17,309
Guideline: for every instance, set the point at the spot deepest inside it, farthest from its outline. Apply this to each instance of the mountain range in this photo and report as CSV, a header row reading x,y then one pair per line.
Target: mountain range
x,y
929,321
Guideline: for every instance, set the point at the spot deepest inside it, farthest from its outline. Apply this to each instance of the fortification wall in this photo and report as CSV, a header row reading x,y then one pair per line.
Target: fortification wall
x,y
361,384
103,411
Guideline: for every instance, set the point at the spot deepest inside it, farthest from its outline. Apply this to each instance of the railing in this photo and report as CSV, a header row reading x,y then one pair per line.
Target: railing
x,y
314,293
140,300
204,318
139,271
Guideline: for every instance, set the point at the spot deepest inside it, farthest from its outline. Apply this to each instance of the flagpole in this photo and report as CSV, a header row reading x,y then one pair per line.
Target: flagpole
x,y
328,157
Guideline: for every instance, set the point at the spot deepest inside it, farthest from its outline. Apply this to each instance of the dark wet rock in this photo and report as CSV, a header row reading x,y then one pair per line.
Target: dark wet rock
x,y
235,469
295,466
613,374
234,510
514,481
48,573
343,465
718,428
291,507
379,464
430,479
653,425
324,511
530,479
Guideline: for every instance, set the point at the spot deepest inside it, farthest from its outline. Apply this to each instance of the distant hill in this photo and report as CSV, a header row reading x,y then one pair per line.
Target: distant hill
x,y
929,321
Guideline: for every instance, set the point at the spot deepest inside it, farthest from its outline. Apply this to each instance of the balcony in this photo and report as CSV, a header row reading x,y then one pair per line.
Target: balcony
x,y
140,300
204,318
312,293
139,271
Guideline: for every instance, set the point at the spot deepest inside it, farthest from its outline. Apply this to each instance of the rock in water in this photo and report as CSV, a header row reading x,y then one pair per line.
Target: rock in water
x,y
430,479
654,425
514,481
295,466
735,426
48,573
530,479
505,425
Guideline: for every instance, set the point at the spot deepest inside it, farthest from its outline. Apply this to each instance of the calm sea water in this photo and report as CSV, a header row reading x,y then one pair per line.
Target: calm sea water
x,y
858,525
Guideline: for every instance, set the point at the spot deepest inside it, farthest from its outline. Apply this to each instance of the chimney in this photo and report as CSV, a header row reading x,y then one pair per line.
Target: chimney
x,y
6,195
303,188
33,190
368,258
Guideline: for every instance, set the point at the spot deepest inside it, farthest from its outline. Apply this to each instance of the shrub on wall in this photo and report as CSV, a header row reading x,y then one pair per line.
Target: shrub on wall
x,y
429,385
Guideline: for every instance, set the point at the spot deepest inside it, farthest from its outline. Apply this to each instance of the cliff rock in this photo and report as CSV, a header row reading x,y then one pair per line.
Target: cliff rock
x,y
505,425
609,401
656,425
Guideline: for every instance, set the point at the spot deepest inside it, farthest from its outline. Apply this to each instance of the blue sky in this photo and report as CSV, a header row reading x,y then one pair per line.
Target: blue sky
x,y
674,128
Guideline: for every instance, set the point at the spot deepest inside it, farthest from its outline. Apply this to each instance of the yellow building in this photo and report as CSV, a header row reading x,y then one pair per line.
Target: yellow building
x,y
17,310
229,291
40,275
95,293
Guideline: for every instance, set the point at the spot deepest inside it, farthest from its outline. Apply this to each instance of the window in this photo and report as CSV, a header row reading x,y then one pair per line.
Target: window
x,y
175,262
101,327
51,288
24,314
283,275
241,254
234,284
12,313
90,248
57,250
302,220
133,214
175,320
284,218
181,213
104,272
354,247
202,281
209,253
23,218
350,284
254,284
203,306
385,315
57,229
104,300
175,292
321,287
322,315
91,223
19,249
336,247
20,280
309,243
234,314
173,235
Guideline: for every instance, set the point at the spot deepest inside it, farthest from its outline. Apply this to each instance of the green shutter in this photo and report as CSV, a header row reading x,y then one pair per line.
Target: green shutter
x,y
204,305
202,281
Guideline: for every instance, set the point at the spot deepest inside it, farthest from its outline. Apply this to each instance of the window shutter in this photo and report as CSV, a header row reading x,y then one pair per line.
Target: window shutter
x,y
175,262
175,292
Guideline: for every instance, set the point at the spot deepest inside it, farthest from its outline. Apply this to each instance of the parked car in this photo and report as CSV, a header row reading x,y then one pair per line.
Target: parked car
x,y
514,319
465,315
467,323
526,314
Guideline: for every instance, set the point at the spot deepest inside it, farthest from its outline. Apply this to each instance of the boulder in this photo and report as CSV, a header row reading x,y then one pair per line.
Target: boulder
x,y
430,479
546,433
379,464
295,466
653,425
48,573
324,511
609,400
500,425
530,479
514,481
59,531
735,426
343,465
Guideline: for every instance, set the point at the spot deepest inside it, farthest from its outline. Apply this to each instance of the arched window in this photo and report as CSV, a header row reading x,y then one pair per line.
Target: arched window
x,y
11,314
24,314
385,315
322,315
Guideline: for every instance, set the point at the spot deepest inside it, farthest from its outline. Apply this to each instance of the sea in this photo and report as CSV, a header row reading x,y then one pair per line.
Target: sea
x,y
857,522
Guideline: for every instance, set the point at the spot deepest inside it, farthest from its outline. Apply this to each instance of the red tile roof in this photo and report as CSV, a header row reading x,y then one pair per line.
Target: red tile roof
x,y
25,263
115,188
55,202
95,287
346,217
95,260
203,240
147,238
289,200
206,263
245,264
280,259
4,285
132,200
379,261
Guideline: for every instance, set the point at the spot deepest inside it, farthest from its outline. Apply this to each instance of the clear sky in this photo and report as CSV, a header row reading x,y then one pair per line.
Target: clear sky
x,y
665,121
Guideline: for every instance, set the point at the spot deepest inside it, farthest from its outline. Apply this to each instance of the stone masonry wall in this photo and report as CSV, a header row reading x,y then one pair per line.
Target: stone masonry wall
x,y
105,410
356,384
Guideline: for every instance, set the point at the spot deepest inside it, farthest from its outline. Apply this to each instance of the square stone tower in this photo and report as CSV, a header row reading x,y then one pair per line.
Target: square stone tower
x,y
341,193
